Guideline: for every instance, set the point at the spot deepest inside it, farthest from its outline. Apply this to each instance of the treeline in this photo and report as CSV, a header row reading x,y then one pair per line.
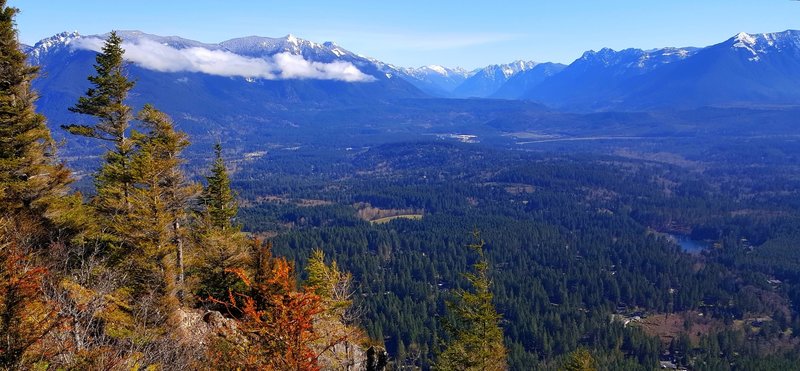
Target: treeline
x,y
151,271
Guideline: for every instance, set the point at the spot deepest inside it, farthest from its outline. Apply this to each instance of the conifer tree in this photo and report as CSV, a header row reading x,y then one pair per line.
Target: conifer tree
x,y
160,197
222,249
218,200
339,338
31,179
105,101
477,339
580,360
31,183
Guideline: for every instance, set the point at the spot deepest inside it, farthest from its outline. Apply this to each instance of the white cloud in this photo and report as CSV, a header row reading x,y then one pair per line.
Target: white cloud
x,y
164,58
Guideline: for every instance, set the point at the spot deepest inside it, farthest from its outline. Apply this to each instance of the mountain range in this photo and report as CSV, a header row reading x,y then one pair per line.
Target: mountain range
x,y
248,75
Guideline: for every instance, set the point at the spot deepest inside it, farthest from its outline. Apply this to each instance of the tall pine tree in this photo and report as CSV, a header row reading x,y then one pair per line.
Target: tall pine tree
x,y
105,101
31,179
222,249
477,339
160,196
218,200
31,184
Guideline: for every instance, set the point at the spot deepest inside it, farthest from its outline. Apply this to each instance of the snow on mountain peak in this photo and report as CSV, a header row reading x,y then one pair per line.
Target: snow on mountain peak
x,y
758,45
507,70
172,41
63,38
679,52
52,42
436,68
642,60
604,55
744,40
257,46
248,57
428,72
747,42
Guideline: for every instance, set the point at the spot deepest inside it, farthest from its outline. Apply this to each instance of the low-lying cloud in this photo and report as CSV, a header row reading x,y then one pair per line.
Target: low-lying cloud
x,y
164,58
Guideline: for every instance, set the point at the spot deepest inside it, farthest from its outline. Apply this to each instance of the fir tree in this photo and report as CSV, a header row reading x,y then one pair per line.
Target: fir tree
x,y
477,337
218,200
105,101
31,183
160,198
580,360
222,249
31,179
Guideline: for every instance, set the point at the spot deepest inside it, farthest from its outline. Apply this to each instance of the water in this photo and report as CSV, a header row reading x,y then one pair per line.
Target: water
x,y
687,244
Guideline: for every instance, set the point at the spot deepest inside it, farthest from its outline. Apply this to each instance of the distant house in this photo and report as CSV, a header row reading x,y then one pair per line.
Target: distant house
x,y
668,365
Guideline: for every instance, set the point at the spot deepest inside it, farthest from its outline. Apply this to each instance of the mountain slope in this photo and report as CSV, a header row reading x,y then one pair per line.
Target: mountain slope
x,y
745,70
433,79
252,75
598,79
486,81
759,69
520,83
247,77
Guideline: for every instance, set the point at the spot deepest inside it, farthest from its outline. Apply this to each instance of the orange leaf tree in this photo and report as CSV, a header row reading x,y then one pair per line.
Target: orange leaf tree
x,y
25,316
276,319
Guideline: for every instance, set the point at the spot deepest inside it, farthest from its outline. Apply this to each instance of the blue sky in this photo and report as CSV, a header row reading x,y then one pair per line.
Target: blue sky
x,y
413,33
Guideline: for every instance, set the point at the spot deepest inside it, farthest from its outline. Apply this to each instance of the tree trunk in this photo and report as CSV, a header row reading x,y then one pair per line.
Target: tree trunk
x,y
176,226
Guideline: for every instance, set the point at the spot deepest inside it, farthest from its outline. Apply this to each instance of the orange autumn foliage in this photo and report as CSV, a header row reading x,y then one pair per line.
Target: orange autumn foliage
x,y
276,320
26,317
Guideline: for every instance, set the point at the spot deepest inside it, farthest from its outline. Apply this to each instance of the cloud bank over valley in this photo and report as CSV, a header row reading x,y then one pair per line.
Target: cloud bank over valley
x,y
155,56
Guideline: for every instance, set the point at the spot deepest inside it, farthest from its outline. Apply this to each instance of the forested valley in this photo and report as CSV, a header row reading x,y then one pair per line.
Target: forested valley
x,y
403,253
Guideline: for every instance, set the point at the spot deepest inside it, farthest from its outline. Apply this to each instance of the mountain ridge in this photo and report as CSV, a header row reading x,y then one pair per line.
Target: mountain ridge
x,y
745,69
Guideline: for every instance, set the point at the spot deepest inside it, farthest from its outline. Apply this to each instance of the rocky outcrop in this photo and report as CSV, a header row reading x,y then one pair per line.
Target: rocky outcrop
x,y
198,329
377,358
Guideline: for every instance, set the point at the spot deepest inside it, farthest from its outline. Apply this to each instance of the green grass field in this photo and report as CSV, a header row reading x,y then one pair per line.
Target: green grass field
x,y
390,218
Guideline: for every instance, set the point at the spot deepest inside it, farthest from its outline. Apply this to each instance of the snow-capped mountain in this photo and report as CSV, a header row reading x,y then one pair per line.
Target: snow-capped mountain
x,y
257,72
256,46
327,52
247,77
457,82
759,45
436,70
171,41
433,79
601,74
747,69
50,45
523,81
486,81
634,60
247,49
